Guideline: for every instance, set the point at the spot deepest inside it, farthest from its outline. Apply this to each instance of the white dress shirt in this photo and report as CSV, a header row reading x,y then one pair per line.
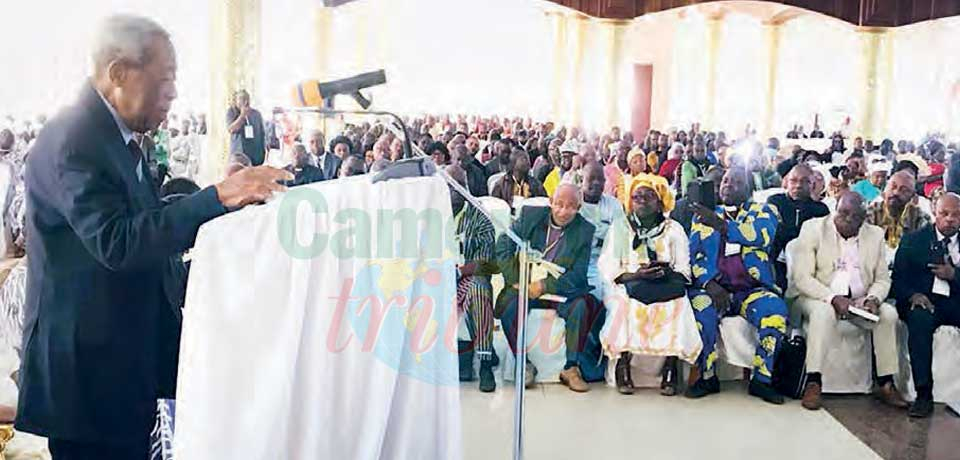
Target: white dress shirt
x,y
846,278
125,132
940,286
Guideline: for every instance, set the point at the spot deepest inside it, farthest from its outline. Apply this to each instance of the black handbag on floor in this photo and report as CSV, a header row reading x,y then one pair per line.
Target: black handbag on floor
x,y
672,286
790,367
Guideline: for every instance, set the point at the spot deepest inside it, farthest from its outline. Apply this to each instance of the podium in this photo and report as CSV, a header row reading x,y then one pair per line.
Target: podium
x,y
323,325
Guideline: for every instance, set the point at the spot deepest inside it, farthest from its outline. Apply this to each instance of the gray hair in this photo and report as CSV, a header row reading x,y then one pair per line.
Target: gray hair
x,y
127,38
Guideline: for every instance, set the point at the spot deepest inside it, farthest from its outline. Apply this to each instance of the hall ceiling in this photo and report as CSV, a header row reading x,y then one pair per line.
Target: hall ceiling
x,y
874,13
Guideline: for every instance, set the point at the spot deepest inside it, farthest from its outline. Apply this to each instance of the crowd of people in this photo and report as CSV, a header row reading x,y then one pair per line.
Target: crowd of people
x,y
661,237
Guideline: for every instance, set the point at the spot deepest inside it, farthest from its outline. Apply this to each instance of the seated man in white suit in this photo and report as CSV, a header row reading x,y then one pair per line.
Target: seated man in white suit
x,y
838,264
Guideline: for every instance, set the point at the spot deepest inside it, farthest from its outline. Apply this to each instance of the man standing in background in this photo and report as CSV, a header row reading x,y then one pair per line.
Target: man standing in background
x,y
246,129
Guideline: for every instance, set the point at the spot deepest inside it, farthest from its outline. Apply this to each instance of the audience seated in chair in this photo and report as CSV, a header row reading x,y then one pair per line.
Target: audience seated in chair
x,y
476,237
645,266
897,213
926,285
839,263
794,207
518,182
564,238
730,256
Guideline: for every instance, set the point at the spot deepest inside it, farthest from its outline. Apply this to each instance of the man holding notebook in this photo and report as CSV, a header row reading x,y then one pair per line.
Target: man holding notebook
x,y
839,273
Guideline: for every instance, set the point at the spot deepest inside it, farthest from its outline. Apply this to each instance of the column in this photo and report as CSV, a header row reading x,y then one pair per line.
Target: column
x,y
714,31
576,50
772,32
616,68
558,26
875,74
234,63
322,40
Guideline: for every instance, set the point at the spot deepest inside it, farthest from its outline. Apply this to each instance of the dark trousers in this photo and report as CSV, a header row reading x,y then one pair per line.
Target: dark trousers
x,y
922,324
579,314
73,450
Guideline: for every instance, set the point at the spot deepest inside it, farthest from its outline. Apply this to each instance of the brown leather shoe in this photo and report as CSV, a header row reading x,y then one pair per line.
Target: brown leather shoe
x,y
572,379
889,395
811,396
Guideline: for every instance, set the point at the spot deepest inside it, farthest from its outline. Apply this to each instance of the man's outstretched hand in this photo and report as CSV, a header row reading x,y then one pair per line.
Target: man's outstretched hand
x,y
251,185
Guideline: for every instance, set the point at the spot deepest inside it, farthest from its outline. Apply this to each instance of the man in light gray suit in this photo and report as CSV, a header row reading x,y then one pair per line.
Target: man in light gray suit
x,y
838,262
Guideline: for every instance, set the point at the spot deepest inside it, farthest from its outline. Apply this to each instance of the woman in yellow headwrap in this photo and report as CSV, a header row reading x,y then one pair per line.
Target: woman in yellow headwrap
x,y
645,263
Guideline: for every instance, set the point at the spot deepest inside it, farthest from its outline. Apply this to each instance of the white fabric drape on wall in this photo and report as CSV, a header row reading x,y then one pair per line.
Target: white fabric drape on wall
x,y
311,331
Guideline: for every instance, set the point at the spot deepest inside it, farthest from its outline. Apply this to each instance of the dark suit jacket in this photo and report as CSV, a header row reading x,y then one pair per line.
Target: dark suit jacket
x,y
911,275
307,175
477,179
574,255
100,336
330,166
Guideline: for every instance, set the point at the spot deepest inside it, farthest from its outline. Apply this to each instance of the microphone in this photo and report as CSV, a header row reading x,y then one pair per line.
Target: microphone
x,y
312,93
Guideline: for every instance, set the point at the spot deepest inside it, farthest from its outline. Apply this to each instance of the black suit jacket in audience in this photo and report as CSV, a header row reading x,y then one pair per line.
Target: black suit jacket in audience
x,y
330,168
573,255
911,274
100,335
477,179
305,175
793,213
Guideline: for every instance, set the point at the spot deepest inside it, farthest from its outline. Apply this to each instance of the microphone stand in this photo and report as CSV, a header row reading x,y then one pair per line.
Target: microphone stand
x,y
526,254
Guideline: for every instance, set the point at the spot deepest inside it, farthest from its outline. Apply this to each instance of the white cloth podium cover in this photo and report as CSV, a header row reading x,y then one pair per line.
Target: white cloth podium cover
x,y
322,325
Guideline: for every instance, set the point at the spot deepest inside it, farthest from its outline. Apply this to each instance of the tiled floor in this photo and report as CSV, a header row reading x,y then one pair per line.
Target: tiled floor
x,y
892,434
605,425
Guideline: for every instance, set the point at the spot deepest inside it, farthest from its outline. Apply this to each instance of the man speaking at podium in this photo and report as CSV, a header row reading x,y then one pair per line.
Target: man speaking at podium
x,y
100,336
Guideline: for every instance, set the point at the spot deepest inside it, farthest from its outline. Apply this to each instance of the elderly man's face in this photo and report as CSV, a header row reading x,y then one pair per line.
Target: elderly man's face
x,y
564,205
849,215
144,93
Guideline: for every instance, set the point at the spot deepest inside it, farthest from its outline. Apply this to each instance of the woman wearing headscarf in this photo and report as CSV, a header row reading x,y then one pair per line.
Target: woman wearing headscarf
x,y
674,159
636,167
645,265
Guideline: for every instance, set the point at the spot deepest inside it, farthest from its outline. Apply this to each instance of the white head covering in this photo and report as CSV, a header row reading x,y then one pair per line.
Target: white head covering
x,y
571,145
877,163
675,152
